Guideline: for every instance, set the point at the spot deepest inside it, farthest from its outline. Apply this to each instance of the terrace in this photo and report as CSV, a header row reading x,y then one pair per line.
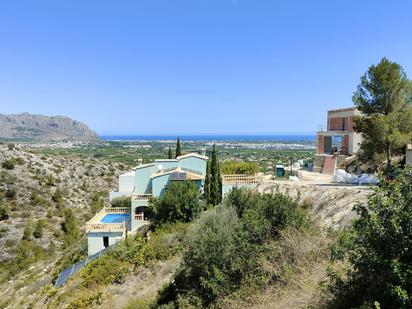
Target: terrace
x,y
241,179
110,219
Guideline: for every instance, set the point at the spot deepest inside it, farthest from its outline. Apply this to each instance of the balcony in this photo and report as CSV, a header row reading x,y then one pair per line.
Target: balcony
x,y
140,197
333,128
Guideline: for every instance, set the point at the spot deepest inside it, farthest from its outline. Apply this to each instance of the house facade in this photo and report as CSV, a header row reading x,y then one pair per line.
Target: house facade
x,y
337,141
142,183
340,136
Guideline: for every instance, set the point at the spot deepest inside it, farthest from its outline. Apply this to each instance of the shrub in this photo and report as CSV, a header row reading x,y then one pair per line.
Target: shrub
x,y
180,203
39,229
50,180
4,213
8,164
11,193
229,167
26,253
27,232
70,227
378,249
10,146
227,248
165,242
57,196
121,201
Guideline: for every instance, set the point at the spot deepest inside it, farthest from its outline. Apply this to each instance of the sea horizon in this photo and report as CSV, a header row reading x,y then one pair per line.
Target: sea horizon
x,y
215,137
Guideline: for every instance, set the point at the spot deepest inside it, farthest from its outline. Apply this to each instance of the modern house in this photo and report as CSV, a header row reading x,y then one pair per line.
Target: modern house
x,y
338,139
142,183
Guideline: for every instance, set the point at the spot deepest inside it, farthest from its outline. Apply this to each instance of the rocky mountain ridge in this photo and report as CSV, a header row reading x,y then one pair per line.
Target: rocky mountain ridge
x,y
30,127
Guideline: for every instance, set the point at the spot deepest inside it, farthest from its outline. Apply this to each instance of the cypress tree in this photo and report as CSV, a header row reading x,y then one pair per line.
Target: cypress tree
x,y
169,155
207,183
215,195
178,150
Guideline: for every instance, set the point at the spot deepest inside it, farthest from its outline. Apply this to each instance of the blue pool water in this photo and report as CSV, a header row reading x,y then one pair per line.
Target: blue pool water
x,y
115,218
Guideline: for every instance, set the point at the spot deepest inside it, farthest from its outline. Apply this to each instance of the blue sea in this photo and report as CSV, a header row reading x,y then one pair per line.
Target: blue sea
x,y
206,138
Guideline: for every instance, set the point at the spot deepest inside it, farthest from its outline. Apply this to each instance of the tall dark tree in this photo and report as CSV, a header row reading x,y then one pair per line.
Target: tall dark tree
x,y
384,97
215,192
207,182
169,154
178,150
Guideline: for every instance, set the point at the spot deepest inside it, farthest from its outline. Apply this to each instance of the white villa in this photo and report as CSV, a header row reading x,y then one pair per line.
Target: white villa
x,y
143,182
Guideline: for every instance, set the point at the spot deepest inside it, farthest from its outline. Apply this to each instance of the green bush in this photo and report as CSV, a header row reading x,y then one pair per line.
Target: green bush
x,y
121,201
39,229
11,193
70,227
8,164
378,249
229,167
165,242
4,212
180,203
227,248
27,232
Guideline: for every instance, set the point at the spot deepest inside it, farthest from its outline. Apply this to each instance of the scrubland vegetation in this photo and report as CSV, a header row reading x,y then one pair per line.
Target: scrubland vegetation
x,y
44,203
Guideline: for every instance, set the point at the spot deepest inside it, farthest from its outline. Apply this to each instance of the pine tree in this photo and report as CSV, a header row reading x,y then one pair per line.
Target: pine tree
x,y
207,183
169,154
384,97
178,150
215,192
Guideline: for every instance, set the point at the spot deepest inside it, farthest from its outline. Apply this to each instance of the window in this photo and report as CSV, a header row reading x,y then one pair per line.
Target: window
x,y
105,241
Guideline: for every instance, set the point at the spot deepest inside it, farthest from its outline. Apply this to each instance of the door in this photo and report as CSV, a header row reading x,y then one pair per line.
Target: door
x,y
105,241
328,144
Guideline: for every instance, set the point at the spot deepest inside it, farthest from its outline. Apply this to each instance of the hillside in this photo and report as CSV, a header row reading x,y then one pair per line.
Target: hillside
x,y
29,127
28,186
28,190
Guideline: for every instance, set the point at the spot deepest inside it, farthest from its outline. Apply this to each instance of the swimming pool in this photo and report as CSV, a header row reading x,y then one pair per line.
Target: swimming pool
x,y
115,218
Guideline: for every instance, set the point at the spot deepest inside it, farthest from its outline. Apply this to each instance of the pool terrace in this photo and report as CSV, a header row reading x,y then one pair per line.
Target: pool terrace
x,y
110,219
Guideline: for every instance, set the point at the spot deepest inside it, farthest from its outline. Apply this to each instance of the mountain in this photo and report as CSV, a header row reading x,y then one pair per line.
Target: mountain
x,y
29,127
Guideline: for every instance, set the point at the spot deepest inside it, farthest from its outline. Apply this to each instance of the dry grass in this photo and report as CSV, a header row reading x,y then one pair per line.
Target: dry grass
x,y
300,259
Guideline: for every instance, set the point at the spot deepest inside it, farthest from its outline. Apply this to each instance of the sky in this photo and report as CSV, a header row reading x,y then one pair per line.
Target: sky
x,y
195,66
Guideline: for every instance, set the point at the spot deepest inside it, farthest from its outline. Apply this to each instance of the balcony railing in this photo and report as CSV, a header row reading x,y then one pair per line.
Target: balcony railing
x,y
141,197
117,210
105,227
241,179
325,128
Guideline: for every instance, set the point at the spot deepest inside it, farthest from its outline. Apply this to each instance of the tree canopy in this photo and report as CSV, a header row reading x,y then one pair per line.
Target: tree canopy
x,y
384,97
378,250
180,203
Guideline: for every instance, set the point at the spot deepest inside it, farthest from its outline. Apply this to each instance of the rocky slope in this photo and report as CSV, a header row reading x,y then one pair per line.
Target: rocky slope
x,y
43,128
330,204
26,192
